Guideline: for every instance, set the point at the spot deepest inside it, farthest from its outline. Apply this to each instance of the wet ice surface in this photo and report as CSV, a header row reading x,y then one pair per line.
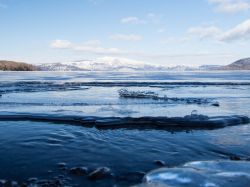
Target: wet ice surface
x,y
105,101
30,148
189,122
202,174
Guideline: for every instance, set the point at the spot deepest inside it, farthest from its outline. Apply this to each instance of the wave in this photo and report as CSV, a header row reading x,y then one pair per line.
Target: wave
x,y
193,121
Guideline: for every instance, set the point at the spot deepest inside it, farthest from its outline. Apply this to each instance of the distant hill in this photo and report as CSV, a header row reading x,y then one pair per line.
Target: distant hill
x,y
242,64
16,66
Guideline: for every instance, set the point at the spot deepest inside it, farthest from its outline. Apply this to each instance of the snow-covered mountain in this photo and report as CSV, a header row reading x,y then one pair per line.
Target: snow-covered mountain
x,y
58,67
109,64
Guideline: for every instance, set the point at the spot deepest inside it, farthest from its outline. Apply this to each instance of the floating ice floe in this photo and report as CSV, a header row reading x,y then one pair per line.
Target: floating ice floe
x,y
64,85
201,174
193,121
124,93
137,94
18,87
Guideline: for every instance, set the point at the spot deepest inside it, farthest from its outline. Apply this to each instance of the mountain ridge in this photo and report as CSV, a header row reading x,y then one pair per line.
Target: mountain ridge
x,y
118,64
113,64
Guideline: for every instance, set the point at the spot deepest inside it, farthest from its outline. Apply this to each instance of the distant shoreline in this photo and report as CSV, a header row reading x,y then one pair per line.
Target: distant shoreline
x,y
240,65
16,66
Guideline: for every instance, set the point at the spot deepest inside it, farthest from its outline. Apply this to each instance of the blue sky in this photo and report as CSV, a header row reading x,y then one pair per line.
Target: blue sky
x,y
168,32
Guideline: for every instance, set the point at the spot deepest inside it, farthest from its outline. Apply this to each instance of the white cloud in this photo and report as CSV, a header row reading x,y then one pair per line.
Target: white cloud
x,y
151,17
92,46
239,32
61,44
126,37
132,20
204,31
230,6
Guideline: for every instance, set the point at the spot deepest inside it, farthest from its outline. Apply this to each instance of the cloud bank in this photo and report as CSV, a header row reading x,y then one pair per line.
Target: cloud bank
x,y
236,33
92,46
230,6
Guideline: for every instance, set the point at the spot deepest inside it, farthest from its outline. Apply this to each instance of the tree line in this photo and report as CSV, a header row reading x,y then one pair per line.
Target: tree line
x,y
16,66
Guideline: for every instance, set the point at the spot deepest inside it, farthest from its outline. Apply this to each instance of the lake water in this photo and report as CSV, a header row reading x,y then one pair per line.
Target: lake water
x,y
32,143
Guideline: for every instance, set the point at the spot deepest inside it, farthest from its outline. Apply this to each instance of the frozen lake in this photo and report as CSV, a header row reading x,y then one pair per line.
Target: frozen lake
x,y
33,144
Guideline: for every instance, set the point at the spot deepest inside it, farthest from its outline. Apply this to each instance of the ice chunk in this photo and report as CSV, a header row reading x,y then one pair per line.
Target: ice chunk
x,y
195,116
124,93
201,174
137,94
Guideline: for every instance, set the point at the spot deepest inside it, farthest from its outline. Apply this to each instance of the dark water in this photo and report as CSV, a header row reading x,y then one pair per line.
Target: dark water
x,y
31,148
